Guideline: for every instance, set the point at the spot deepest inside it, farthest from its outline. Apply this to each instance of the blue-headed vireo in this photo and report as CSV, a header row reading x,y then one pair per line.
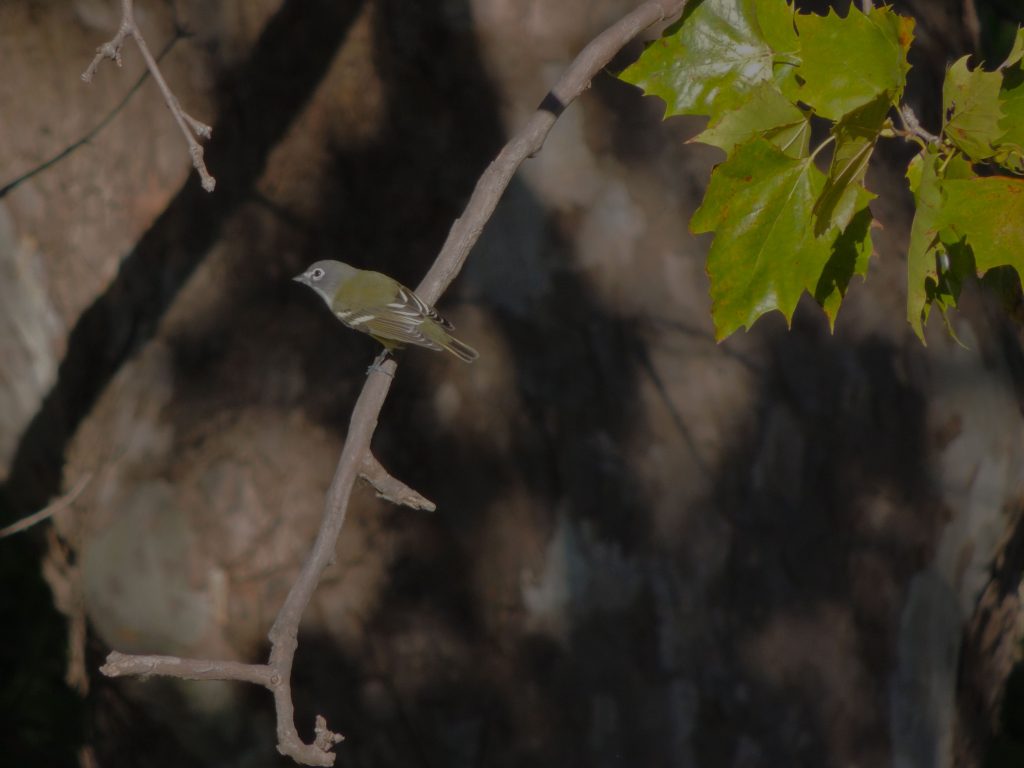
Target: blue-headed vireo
x,y
382,307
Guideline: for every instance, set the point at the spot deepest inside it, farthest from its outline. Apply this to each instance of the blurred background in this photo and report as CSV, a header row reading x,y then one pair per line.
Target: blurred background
x,y
789,549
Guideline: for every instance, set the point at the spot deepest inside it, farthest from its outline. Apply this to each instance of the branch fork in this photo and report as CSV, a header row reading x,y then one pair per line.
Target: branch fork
x,y
356,458
390,488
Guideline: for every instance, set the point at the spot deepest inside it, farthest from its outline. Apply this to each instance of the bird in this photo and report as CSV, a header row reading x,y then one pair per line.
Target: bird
x,y
382,307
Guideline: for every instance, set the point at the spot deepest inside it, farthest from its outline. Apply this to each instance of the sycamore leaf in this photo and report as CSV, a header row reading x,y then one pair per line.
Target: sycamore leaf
x,y
989,213
1017,51
955,265
970,103
1010,145
776,19
765,254
922,251
958,167
715,56
849,62
767,113
856,135
851,253
938,260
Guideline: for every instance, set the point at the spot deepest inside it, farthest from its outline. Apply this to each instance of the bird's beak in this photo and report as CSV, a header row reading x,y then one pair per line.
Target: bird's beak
x,y
300,278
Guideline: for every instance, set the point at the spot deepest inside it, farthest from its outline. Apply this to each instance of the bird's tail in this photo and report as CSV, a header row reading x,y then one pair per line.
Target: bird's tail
x,y
460,349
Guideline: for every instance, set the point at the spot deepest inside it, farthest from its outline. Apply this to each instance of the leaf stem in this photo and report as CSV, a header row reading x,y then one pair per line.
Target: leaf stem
x,y
821,146
949,157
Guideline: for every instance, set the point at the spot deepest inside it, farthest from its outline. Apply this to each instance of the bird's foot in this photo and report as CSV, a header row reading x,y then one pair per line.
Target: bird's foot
x,y
378,364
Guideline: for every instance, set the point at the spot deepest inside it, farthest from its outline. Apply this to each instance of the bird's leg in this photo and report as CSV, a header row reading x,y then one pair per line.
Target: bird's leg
x,y
378,363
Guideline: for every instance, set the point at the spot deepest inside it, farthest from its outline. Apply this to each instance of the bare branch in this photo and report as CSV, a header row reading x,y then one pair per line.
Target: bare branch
x,y
391,488
913,125
325,739
356,458
121,664
48,511
190,127
576,79
289,743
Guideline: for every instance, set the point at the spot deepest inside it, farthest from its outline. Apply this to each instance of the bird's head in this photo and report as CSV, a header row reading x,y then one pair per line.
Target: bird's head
x,y
325,277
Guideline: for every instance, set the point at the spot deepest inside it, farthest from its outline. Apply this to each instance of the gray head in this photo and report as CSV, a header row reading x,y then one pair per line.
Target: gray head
x,y
325,277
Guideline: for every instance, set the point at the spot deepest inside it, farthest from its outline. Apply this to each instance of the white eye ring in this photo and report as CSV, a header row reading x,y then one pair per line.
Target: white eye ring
x,y
316,274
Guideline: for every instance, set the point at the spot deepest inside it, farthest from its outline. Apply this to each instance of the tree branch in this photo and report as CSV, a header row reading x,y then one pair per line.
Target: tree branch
x,y
190,127
391,488
356,457
121,664
913,126
48,511
576,79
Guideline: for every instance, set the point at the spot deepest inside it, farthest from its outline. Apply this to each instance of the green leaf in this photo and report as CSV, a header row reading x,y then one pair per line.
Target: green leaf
x,y
715,56
970,101
955,265
850,256
849,62
1011,96
958,167
777,21
922,251
767,113
855,135
1017,51
765,255
964,226
989,213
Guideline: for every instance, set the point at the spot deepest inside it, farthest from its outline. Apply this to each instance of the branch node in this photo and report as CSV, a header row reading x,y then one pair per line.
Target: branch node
x,y
196,150
391,488
200,129
356,458
913,125
325,738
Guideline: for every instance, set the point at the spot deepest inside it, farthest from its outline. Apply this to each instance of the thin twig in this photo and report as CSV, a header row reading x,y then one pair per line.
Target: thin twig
x,y
913,125
190,127
48,511
356,452
576,79
122,664
391,488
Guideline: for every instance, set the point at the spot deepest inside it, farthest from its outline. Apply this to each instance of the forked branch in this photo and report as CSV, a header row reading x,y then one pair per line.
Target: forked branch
x,y
356,458
391,488
191,128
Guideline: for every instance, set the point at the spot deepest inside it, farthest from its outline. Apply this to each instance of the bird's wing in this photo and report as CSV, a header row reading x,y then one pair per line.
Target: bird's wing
x,y
408,304
386,323
404,330
402,317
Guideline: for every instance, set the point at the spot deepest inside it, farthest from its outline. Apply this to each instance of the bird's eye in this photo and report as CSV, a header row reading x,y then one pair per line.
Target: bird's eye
x,y
317,273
